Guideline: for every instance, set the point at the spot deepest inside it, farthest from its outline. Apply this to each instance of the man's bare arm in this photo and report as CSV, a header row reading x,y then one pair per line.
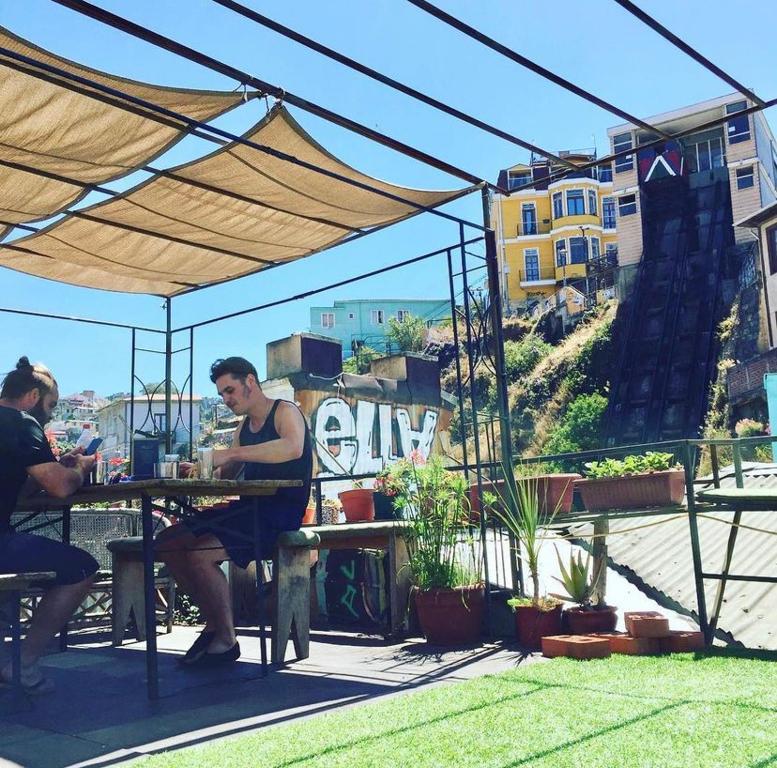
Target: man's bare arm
x,y
290,425
61,481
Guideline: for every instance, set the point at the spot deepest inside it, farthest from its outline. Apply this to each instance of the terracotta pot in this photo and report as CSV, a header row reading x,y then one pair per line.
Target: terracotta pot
x,y
532,624
652,489
309,518
450,616
578,621
357,504
552,491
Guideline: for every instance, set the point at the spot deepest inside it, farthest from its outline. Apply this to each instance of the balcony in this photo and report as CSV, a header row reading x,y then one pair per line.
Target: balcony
x,y
536,277
533,228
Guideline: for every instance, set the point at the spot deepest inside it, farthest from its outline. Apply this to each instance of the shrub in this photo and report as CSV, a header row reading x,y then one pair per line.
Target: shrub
x,y
580,428
749,428
409,334
360,361
522,356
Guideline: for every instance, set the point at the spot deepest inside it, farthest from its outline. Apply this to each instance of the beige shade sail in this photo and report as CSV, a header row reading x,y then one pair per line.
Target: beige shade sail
x,y
83,136
234,212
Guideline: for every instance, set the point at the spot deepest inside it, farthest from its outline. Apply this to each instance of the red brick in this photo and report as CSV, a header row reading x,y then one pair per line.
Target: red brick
x,y
555,645
576,646
635,646
630,616
650,626
680,641
587,647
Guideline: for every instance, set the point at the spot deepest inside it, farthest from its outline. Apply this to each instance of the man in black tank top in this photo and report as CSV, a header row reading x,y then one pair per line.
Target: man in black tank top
x,y
271,442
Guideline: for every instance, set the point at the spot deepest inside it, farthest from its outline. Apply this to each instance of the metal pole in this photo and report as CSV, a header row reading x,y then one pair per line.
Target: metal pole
x,y
132,408
191,394
495,309
475,431
459,391
168,374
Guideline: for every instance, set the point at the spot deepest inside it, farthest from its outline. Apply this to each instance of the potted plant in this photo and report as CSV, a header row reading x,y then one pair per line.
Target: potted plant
x,y
330,511
442,556
524,515
554,489
358,505
389,484
587,616
649,480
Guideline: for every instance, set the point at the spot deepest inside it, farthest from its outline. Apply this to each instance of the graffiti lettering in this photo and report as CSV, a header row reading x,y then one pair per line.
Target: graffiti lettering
x,y
362,438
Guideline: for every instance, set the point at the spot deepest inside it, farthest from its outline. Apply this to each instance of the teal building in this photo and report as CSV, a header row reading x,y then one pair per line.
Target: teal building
x,y
357,322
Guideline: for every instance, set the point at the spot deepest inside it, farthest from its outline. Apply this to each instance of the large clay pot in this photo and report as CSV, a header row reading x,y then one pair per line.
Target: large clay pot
x,y
451,616
579,621
651,489
357,505
553,491
309,518
532,624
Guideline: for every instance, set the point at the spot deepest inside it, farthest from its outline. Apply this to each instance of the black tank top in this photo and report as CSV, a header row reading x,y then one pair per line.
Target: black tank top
x,y
296,469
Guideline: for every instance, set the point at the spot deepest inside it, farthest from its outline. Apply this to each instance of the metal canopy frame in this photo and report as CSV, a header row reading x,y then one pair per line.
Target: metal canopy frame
x,y
492,314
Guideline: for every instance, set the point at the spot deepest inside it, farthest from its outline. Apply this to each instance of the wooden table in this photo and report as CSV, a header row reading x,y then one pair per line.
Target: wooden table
x,y
147,491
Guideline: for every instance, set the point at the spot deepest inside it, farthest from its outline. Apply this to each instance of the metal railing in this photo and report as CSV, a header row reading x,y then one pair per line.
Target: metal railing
x,y
536,275
526,228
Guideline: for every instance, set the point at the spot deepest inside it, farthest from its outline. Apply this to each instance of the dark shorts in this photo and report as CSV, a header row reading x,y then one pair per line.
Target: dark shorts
x,y
20,552
234,526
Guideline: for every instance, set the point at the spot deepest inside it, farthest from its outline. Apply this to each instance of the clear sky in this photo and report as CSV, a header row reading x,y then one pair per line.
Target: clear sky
x,y
595,43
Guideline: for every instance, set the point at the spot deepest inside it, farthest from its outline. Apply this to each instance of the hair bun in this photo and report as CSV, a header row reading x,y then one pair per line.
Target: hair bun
x,y
24,362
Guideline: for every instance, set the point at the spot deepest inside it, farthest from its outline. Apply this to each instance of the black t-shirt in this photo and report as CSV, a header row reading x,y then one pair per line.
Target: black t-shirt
x,y
22,445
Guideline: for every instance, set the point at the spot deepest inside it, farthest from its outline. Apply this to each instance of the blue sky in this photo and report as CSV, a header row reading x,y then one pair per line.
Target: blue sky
x,y
595,43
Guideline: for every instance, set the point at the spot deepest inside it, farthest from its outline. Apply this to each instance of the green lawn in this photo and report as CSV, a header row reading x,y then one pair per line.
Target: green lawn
x,y
624,711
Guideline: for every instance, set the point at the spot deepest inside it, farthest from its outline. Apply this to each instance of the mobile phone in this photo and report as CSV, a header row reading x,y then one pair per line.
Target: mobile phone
x,y
93,446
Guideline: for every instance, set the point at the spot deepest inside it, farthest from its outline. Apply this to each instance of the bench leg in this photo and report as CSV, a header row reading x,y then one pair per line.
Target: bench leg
x,y
127,598
292,604
399,588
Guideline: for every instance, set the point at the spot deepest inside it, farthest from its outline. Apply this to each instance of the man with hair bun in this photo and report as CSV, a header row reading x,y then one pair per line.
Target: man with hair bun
x,y
28,396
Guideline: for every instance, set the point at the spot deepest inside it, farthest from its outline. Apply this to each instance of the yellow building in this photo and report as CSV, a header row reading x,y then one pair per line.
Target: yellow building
x,y
551,235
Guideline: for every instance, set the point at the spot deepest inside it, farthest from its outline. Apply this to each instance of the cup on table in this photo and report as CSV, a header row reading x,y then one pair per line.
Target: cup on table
x,y
100,473
166,470
205,462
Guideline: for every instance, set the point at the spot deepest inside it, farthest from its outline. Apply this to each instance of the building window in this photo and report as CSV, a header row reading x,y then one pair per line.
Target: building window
x,y
528,219
561,253
578,250
592,202
516,179
611,252
327,319
531,260
771,247
402,315
621,143
575,202
351,316
605,173
558,206
378,318
608,212
595,248
745,177
738,127
627,205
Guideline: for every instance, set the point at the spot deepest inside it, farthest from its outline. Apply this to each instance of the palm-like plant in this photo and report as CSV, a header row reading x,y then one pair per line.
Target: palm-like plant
x,y
525,515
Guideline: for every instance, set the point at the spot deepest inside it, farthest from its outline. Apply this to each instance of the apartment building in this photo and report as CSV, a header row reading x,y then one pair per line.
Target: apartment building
x,y
551,234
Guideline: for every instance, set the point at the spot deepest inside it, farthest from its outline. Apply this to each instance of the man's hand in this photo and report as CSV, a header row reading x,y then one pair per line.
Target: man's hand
x,y
69,459
221,457
83,463
185,468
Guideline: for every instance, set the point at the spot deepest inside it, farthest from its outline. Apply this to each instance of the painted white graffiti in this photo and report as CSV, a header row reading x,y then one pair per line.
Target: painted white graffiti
x,y
363,438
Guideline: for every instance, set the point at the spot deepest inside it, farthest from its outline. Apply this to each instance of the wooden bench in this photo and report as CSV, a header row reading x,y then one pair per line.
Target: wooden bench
x,y
14,585
127,589
291,607
385,535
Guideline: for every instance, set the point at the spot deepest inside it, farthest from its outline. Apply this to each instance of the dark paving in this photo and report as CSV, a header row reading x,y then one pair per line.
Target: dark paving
x,y
99,715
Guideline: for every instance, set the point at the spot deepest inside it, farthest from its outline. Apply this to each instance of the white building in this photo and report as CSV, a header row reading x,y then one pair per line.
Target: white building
x,y
148,417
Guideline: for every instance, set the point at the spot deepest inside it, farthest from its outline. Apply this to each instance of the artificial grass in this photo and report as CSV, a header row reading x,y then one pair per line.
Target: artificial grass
x,y
685,710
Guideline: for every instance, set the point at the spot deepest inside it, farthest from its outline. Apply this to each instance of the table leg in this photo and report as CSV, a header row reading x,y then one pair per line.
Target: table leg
x,y
732,538
65,540
259,590
399,589
152,671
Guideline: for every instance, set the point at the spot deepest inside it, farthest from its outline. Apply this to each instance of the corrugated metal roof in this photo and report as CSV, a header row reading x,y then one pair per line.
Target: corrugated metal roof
x,y
659,559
